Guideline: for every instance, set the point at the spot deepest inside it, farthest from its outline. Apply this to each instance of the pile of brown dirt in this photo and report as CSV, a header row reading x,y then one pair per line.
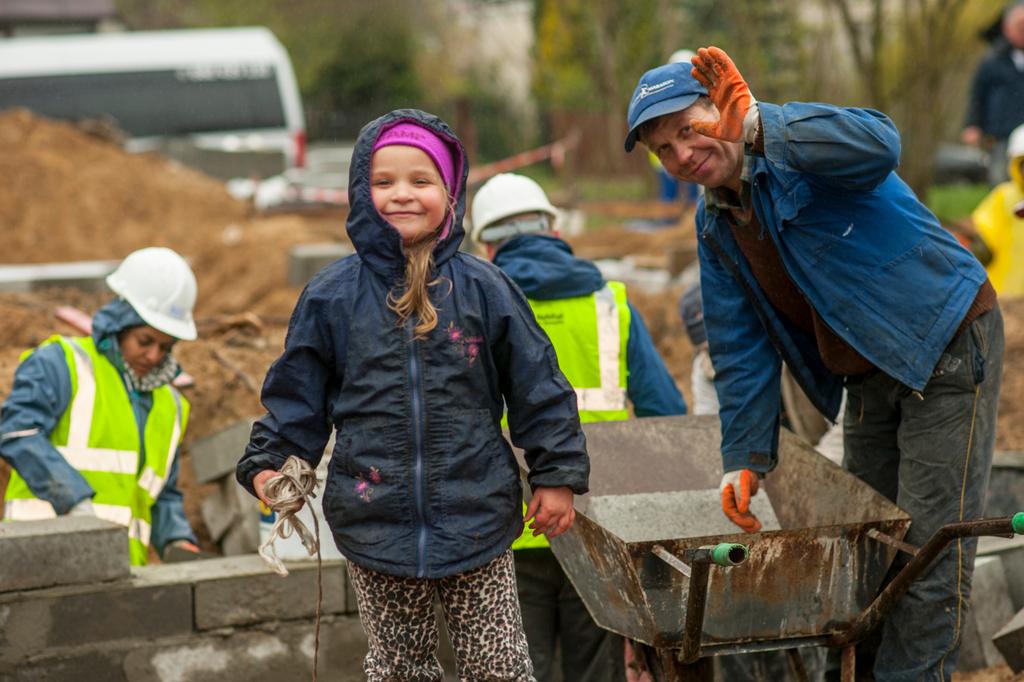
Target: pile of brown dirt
x,y
69,196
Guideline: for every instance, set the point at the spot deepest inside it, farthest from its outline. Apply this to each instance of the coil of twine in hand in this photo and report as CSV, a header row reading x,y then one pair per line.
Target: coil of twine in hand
x,y
287,494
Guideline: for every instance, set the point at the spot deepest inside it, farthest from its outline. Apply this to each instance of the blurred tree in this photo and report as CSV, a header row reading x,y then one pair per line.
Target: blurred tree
x,y
370,68
768,40
913,59
589,55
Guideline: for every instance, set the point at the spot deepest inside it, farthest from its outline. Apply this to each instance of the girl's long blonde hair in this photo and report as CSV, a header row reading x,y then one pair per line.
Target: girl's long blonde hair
x,y
419,269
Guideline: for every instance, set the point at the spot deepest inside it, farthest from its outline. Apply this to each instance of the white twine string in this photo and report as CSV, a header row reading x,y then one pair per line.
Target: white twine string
x,y
287,493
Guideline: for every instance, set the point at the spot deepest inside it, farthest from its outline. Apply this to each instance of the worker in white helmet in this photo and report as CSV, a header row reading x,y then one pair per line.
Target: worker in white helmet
x,y
605,352
93,425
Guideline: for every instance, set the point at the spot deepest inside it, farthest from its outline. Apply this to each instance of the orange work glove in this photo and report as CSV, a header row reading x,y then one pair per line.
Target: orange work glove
x,y
737,108
737,488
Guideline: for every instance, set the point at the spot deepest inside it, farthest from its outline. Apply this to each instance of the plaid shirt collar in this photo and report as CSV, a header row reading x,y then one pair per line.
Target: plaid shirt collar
x,y
736,207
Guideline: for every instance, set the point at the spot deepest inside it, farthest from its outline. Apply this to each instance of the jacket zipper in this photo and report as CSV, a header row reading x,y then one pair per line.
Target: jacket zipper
x,y
417,440
776,341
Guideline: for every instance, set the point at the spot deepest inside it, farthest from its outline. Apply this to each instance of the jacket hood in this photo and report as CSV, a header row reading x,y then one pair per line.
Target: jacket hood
x,y
545,268
113,318
378,243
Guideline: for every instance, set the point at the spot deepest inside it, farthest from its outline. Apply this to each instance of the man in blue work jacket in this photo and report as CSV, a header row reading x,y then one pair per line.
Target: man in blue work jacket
x,y
813,252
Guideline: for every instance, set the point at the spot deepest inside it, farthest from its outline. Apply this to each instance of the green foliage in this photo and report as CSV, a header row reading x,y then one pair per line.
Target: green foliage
x,y
500,129
766,38
590,50
367,71
953,203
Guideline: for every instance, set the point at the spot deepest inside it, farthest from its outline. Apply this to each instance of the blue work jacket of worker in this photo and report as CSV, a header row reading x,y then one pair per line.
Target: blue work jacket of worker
x,y
421,482
546,270
40,396
872,261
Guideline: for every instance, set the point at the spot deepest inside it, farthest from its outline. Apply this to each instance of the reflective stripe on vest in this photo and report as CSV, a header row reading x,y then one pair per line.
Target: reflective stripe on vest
x,y
610,395
149,480
607,400
93,420
77,451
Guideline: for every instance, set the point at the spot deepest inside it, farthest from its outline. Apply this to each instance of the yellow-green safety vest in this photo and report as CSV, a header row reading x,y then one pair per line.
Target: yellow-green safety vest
x,y
98,436
590,335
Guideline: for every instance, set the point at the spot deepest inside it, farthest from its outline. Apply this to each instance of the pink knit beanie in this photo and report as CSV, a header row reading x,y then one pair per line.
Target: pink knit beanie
x,y
414,135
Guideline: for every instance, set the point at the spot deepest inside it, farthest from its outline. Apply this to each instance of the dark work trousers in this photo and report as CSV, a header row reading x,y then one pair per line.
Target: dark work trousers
x,y
931,453
553,615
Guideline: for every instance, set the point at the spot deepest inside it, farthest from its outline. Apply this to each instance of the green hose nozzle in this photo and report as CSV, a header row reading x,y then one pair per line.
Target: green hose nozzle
x,y
734,554
1018,523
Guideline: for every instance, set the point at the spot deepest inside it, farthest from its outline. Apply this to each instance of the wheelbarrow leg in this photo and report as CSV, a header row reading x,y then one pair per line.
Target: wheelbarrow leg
x,y
663,665
849,669
796,664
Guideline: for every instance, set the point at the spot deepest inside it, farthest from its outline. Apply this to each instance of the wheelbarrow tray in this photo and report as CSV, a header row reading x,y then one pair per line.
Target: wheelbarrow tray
x,y
799,584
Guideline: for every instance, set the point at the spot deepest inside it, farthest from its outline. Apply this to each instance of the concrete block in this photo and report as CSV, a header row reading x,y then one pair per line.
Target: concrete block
x,y
71,666
228,506
61,617
989,611
276,651
241,538
305,260
283,651
245,590
85,275
219,511
1010,642
63,551
1010,552
216,455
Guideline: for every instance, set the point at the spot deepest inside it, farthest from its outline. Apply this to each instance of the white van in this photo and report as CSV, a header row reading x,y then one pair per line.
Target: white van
x,y
225,98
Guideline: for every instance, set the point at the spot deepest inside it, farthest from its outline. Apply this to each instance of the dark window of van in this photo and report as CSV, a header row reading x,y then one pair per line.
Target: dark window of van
x,y
157,102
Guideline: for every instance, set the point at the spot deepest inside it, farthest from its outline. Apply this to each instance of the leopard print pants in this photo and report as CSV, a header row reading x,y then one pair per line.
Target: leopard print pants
x,y
481,609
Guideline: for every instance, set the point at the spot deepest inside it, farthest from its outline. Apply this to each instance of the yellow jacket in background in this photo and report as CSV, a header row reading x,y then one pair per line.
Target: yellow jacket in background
x,y
1001,230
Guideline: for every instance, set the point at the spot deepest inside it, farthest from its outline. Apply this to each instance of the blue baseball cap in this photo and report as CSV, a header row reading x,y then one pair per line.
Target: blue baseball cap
x,y
662,90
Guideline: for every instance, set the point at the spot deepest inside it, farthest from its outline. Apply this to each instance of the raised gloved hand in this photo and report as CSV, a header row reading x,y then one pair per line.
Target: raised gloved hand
x,y
737,487
83,508
737,108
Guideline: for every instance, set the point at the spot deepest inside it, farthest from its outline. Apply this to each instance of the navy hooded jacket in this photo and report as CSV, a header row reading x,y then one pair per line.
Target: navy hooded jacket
x,y
545,269
421,482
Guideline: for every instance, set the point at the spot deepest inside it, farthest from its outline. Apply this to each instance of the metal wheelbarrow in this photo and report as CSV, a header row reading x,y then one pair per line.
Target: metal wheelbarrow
x,y
654,559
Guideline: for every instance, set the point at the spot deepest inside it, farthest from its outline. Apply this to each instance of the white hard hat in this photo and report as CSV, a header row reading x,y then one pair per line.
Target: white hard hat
x,y
1015,145
505,195
160,286
680,56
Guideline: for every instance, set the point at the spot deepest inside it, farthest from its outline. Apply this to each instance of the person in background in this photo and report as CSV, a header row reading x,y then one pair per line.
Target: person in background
x,y
996,103
999,222
605,352
702,373
93,426
814,253
410,349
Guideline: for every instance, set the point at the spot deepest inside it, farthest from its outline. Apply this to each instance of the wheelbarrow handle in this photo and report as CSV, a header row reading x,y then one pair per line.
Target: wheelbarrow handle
x,y
876,612
723,554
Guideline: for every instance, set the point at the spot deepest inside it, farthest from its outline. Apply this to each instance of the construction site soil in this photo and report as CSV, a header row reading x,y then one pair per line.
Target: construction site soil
x,y
68,196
